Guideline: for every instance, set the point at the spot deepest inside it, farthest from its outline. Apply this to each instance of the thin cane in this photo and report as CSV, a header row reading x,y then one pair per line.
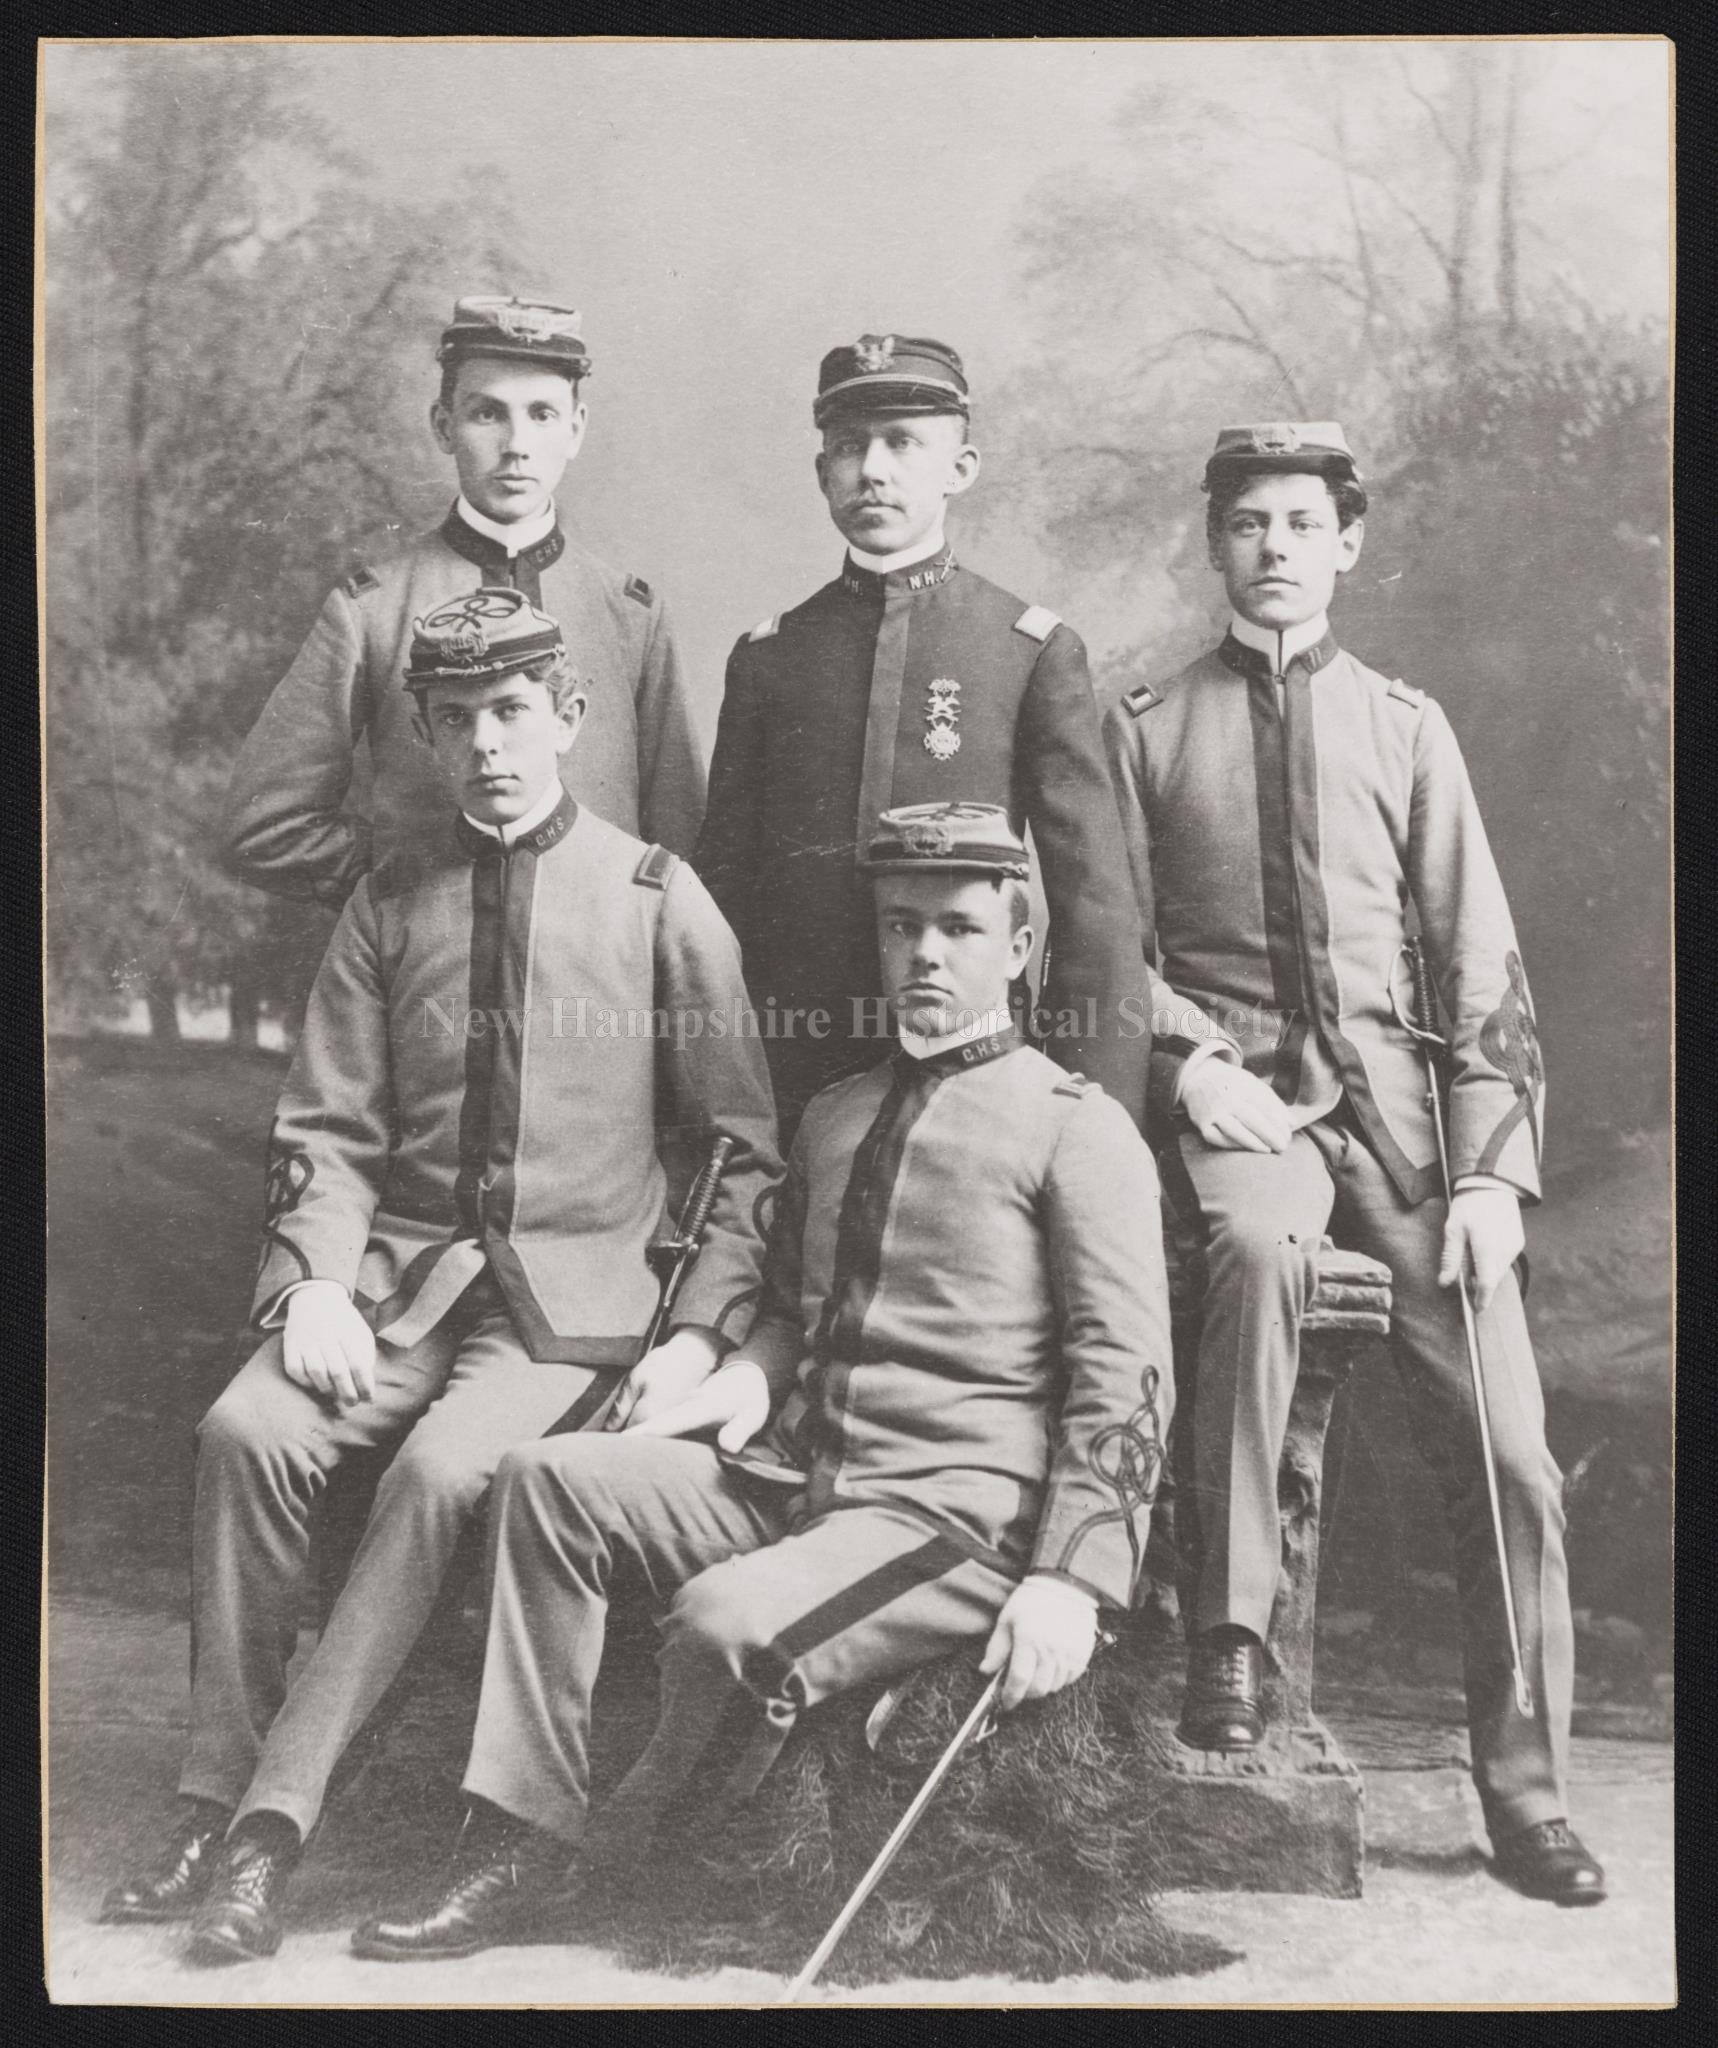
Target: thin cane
x,y
1431,1044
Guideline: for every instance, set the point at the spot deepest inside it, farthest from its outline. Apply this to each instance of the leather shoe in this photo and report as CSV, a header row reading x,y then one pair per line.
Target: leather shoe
x,y
173,1884
1550,1861
1224,1703
240,1921
504,1885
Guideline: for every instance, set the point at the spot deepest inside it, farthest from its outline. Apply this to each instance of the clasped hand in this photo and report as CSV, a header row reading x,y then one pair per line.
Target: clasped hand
x,y
1234,1110
1484,1227
663,1378
734,1401
327,1346
1045,1635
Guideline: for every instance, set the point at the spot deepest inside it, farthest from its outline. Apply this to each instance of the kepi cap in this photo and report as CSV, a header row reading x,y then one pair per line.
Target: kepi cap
x,y
889,373
528,330
489,632
1307,447
947,838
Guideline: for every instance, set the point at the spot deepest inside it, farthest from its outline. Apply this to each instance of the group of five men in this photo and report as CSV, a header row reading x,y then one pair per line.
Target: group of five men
x,y
918,1370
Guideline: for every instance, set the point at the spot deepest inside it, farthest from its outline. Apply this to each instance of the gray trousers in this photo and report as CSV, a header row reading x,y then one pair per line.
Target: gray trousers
x,y
265,1450
1262,1216
765,1620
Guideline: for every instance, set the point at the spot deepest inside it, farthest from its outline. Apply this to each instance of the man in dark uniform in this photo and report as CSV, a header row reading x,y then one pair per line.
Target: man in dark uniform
x,y
945,1426
909,679
510,415
1286,806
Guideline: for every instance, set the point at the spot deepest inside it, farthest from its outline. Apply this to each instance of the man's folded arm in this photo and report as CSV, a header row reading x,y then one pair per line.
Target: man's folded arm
x,y
284,828
333,1131
1103,1223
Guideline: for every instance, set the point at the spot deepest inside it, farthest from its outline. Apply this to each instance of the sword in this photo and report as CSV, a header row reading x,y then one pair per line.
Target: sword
x,y
670,1259
973,1729
1423,1025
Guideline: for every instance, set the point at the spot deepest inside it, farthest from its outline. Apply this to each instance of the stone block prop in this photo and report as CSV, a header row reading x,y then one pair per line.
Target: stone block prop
x,y
1288,1815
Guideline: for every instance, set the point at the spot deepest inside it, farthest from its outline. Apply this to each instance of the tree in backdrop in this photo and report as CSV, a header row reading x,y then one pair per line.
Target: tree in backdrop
x,y
237,384
1400,239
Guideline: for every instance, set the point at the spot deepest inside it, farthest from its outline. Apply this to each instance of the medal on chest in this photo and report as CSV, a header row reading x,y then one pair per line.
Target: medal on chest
x,y
942,719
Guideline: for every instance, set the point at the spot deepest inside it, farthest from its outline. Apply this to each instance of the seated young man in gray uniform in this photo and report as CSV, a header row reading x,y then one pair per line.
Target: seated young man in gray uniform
x,y
945,1426
462,1181
1287,808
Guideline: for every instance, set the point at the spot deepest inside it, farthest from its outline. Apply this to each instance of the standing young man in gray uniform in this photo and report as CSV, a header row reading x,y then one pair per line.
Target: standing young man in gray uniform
x,y
1286,808
511,416
910,679
945,1426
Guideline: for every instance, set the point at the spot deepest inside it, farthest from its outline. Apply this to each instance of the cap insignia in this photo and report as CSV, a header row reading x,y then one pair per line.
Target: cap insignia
x,y
927,838
520,322
1279,438
455,629
874,352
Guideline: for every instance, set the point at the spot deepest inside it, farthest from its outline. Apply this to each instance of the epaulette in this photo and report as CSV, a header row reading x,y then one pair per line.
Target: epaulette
x,y
656,867
1073,1084
1141,699
638,590
361,580
766,629
1037,622
1405,693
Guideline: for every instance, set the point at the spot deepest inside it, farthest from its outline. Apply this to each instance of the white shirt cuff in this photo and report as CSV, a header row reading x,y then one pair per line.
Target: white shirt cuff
x,y
1486,1180
277,1314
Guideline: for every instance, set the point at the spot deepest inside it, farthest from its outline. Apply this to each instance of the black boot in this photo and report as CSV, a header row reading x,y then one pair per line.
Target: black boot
x,y
1224,1706
505,1883
173,1884
1550,1861
240,1920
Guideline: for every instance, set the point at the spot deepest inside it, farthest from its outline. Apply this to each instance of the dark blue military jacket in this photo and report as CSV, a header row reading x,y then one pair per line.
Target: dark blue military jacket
x,y
847,705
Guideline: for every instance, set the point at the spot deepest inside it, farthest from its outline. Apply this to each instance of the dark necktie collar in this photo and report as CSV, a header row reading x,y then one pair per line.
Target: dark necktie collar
x,y
484,846
492,558
916,576
955,1059
1249,661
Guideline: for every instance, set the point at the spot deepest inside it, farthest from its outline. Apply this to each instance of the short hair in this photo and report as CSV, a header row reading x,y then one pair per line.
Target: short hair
x,y
1348,496
451,368
553,671
1019,900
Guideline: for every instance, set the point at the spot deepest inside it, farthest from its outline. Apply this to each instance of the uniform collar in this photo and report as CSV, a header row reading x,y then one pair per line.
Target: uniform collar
x,y
492,546
921,571
543,824
522,534
1258,650
988,1038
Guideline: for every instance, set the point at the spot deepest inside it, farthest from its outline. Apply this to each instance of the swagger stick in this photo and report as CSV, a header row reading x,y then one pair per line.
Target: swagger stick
x,y
886,1855
1424,1026
671,1259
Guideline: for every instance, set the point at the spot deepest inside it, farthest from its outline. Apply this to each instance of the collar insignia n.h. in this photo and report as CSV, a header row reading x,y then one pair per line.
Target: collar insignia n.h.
x,y
942,719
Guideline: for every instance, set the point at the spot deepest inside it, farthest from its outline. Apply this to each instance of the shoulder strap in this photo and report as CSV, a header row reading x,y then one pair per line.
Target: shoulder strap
x,y
638,590
1037,622
1405,693
1141,699
766,629
654,870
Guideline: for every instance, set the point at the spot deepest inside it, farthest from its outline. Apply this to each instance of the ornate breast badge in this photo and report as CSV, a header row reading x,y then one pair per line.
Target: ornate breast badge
x,y
942,718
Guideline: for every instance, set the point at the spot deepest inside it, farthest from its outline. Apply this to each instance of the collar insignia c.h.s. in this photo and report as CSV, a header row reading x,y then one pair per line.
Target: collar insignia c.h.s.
x,y
1279,438
874,352
942,719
